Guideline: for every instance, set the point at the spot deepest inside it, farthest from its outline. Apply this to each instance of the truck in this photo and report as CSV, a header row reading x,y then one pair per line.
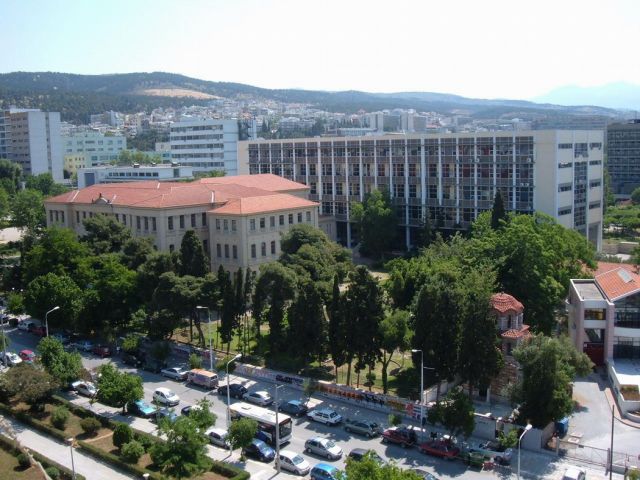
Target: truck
x,y
203,378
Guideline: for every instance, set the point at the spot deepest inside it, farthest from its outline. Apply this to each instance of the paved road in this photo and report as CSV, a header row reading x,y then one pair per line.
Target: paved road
x,y
534,465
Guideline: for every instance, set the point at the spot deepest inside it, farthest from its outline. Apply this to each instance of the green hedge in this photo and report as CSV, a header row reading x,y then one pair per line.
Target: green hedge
x,y
230,471
118,462
12,447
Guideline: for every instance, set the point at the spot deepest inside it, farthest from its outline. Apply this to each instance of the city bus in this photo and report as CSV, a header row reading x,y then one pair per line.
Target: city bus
x,y
266,421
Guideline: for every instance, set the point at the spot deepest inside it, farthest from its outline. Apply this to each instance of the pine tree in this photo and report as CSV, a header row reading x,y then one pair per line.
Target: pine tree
x,y
193,259
497,213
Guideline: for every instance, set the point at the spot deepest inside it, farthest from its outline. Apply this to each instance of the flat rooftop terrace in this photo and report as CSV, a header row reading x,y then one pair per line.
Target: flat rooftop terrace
x,y
588,290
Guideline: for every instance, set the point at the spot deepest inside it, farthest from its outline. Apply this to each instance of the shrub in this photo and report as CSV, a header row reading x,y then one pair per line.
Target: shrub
x,y
23,460
195,361
145,440
132,451
122,434
60,417
53,473
90,425
395,419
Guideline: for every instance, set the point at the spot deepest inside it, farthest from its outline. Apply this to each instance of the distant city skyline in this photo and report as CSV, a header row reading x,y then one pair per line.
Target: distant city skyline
x,y
475,49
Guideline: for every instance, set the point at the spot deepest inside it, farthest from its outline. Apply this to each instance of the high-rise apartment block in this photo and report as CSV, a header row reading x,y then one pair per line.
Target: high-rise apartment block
x,y
448,178
623,157
208,144
95,147
31,138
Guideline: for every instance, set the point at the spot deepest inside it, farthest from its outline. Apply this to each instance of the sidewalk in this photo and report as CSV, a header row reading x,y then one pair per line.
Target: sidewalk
x,y
60,453
612,402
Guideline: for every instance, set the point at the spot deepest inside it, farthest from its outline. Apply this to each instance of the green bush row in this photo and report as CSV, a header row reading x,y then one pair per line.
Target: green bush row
x,y
116,461
229,471
12,447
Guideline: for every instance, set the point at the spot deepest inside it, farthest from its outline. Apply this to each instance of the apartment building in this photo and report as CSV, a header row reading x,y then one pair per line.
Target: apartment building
x,y
31,138
623,157
96,147
239,219
208,144
447,178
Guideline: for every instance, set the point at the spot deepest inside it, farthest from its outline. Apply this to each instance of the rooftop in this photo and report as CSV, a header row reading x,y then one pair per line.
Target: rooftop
x,y
588,290
503,303
618,283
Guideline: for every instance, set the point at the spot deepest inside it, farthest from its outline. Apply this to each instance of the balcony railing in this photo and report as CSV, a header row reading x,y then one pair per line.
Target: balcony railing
x,y
627,323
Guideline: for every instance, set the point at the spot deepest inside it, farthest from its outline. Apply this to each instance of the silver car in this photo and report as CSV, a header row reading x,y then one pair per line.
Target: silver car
x,y
218,436
323,447
261,398
175,373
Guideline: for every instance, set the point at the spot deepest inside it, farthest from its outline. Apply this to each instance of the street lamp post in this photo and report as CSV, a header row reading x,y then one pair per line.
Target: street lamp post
x,y
229,395
73,467
46,322
422,369
526,429
210,335
277,430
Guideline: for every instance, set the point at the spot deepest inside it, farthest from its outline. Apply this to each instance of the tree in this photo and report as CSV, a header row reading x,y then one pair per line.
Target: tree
x,y
44,184
377,221
29,384
425,235
10,175
117,388
136,251
27,210
454,413
51,290
337,327
635,196
242,432
226,305
150,272
549,365
370,468
64,366
498,212
394,335
307,324
184,453
202,415
275,288
193,259
104,234
122,434
4,203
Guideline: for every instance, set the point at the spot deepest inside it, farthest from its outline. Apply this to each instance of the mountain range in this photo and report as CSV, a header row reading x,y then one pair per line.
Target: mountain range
x,y
77,96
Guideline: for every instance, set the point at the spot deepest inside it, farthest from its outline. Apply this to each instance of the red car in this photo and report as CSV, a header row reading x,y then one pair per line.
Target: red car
x,y
440,448
102,351
38,330
27,356
401,435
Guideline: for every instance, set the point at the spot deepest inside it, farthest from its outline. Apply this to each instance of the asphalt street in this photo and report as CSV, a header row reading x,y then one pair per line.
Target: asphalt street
x,y
533,464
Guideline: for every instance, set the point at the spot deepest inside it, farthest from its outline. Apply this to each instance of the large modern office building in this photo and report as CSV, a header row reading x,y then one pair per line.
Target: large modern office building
x,y
31,138
448,178
623,157
97,148
207,144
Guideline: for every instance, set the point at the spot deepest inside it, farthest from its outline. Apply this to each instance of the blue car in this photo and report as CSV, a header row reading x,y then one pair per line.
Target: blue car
x,y
260,451
141,409
166,413
324,471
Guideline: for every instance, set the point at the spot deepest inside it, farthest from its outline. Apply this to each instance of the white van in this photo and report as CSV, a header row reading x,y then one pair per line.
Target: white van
x,y
203,378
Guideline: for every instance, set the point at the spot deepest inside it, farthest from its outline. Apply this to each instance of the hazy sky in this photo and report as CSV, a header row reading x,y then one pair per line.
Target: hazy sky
x,y
476,48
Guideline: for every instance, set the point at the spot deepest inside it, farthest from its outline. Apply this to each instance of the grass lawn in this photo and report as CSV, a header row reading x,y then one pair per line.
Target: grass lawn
x,y
10,470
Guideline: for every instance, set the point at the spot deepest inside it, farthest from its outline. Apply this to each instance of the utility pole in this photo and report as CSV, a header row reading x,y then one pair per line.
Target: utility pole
x,y
613,417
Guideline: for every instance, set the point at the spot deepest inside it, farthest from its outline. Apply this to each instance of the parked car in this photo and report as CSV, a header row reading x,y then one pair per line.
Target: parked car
x,y
165,413
10,359
236,390
83,345
260,451
175,373
27,355
218,437
153,365
295,408
493,449
101,350
25,325
358,454
166,397
141,409
85,388
261,398
38,330
325,415
131,359
293,462
61,337
574,473
423,474
402,435
363,427
189,408
323,447
440,448
324,471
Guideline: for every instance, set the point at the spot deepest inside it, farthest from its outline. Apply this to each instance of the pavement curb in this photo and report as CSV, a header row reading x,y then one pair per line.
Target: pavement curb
x,y
613,403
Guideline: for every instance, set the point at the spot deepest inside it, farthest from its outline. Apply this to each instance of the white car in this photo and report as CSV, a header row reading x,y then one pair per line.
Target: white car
x,y
25,324
165,397
261,398
10,358
574,473
325,415
175,373
87,389
293,462
218,436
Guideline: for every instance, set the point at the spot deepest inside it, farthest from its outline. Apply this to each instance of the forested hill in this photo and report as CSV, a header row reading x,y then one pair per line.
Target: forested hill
x,y
77,96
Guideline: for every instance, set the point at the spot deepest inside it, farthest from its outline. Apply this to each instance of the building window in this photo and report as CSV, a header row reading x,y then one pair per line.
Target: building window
x,y
299,217
308,216
253,250
217,224
138,222
170,223
252,224
225,222
193,220
171,248
153,223
204,219
281,220
291,219
124,219
272,221
84,215
146,223
273,247
263,249
218,250
78,217
234,251
181,221
226,250
233,225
